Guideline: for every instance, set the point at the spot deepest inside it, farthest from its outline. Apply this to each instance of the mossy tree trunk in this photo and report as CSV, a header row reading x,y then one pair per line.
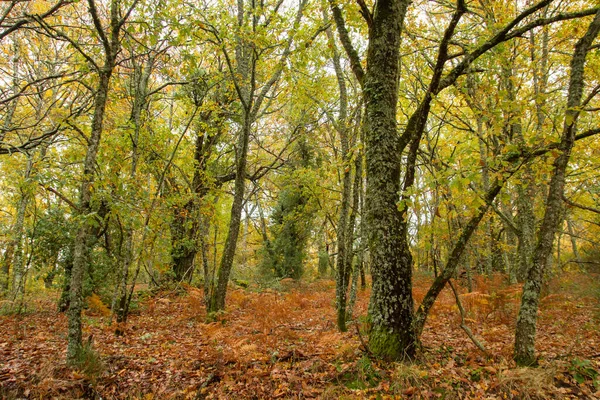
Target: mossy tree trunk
x,y
110,42
393,335
391,305
527,320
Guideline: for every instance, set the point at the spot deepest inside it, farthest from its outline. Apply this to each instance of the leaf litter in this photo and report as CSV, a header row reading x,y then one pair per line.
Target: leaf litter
x,y
285,345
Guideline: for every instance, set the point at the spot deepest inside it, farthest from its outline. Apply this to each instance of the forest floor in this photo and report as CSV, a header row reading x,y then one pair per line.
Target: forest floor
x,y
284,345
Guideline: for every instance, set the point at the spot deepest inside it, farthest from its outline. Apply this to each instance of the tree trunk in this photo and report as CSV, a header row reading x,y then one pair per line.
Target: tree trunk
x,y
17,237
354,267
218,299
141,79
82,239
391,306
527,319
344,225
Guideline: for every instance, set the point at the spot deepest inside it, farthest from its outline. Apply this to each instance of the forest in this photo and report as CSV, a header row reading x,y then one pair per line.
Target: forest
x,y
291,199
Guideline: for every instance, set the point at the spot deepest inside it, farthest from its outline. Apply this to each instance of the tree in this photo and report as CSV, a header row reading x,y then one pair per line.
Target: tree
x,y
251,97
553,216
292,216
394,334
110,41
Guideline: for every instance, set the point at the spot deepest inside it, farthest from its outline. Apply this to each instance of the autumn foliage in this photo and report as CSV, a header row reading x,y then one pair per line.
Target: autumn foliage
x,y
272,344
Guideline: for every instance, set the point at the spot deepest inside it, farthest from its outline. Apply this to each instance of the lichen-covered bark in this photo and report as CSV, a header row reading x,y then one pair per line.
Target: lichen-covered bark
x,y
526,222
218,299
83,237
345,226
391,305
526,322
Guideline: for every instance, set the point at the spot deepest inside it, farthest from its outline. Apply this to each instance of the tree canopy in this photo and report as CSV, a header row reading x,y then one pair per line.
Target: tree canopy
x,y
389,144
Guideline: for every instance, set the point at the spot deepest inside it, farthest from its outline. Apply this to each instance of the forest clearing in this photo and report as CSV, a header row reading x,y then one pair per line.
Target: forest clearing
x,y
299,199
284,344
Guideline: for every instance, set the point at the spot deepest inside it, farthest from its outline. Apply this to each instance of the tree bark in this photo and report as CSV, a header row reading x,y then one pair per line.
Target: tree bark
x,y
391,306
354,268
344,225
527,320
218,300
83,238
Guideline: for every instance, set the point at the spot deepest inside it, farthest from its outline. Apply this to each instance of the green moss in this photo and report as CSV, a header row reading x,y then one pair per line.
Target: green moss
x,y
88,361
362,376
391,346
526,360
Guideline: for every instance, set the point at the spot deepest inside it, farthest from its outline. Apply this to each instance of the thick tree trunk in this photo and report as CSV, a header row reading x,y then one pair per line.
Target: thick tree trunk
x,y
391,305
527,319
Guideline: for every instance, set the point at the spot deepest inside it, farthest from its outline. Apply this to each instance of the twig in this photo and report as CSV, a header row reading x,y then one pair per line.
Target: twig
x,y
362,342
464,327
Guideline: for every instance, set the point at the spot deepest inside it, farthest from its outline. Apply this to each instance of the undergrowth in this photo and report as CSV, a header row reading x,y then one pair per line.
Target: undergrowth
x,y
88,362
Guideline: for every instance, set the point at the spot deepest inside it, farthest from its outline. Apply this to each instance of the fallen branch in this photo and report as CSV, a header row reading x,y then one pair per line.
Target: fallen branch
x,y
464,327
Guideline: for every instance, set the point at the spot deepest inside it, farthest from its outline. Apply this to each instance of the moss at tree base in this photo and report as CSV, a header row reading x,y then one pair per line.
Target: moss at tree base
x,y
391,346
527,360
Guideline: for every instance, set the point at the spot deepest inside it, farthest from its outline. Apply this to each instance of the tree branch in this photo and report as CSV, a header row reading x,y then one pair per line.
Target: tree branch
x,y
355,63
580,206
